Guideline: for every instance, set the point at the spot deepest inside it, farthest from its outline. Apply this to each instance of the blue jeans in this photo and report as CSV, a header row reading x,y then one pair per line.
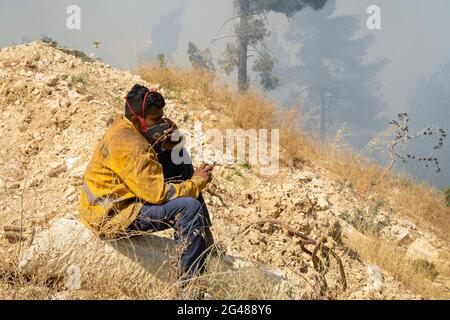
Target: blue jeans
x,y
187,216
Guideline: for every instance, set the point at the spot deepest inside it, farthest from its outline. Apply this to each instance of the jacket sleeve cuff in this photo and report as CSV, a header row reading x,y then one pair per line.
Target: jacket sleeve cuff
x,y
199,182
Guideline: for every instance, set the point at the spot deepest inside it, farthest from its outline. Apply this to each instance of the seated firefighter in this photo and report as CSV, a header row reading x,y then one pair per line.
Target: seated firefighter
x,y
131,184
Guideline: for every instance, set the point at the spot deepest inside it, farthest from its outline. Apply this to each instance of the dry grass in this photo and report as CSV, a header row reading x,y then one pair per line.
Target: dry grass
x,y
424,205
241,285
415,276
199,83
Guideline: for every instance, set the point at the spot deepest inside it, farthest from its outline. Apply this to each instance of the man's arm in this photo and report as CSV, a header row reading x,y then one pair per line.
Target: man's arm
x,y
143,174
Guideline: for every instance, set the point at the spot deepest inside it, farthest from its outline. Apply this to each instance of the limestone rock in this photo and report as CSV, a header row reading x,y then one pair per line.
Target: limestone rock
x,y
68,246
422,249
401,234
52,81
322,203
374,279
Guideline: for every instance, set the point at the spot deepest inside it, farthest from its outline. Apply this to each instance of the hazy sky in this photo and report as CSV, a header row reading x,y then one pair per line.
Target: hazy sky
x,y
414,35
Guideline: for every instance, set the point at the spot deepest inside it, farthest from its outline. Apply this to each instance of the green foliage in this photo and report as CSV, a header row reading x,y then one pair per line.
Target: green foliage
x,y
287,7
246,166
238,172
81,78
161,60
48,40
255,30
229,59
264,66
367,222
200,58
251,33
447,197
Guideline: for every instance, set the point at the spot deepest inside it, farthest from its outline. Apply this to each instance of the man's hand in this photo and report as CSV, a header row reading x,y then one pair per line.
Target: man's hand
x,y
205,172
168,143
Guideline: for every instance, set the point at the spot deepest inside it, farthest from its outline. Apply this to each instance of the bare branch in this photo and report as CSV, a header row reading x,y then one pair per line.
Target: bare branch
x,y
228,20
221,37
306,240
402,136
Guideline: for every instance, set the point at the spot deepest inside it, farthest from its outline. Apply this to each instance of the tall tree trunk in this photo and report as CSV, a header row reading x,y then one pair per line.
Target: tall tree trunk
x,y
323,117
243,45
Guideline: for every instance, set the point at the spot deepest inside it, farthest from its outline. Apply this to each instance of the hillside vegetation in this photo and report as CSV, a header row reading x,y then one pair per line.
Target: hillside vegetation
x,y
55,106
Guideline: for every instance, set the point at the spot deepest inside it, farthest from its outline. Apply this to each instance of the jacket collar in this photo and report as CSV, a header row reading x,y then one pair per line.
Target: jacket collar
x,y
125,122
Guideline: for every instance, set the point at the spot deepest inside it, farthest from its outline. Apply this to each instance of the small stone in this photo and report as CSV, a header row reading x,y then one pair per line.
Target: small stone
x,y
57,170
70,191
317,183
276,213
324,218
61,296
381,221
217,202
64,103
78,172
253,237
87,98
247,213
36,182
60,59
322,203
52,81
304,226
36,56
374,279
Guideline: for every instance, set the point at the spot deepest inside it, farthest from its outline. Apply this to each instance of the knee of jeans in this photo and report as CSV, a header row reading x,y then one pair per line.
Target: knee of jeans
x,y
192,206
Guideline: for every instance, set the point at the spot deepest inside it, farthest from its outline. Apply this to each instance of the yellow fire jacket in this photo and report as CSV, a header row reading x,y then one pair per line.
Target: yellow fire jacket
x,y
123,174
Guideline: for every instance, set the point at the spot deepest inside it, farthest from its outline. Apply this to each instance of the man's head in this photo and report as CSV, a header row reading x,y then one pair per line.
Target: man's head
x,y
144,107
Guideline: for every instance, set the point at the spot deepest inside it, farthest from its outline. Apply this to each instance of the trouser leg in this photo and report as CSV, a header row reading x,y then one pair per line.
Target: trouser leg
x,y
186,217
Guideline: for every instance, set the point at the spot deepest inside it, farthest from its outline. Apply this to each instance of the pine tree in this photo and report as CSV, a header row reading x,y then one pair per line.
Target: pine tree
x,y
250,34
200,58
334,84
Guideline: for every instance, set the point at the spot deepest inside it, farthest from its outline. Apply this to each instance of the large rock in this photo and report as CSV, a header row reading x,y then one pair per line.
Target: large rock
x,y
68,245
402,235
421,249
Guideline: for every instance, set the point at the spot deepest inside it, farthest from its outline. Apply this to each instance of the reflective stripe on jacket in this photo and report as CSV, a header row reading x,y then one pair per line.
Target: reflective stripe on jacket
x,y
124,172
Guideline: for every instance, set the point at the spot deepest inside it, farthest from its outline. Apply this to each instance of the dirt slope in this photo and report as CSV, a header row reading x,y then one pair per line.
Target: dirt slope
x,y
54,107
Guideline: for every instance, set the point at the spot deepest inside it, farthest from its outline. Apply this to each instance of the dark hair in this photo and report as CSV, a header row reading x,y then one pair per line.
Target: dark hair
x,y
135,98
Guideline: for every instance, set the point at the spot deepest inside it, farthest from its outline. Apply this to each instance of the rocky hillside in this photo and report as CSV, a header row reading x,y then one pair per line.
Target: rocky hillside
x,y
56,104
